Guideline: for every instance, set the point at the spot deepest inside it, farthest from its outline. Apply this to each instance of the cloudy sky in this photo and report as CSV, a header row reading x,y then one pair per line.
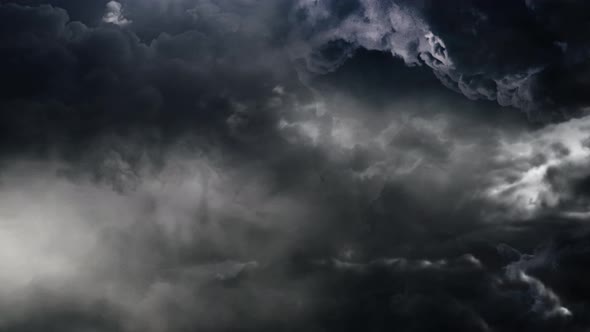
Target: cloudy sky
x,y
294,165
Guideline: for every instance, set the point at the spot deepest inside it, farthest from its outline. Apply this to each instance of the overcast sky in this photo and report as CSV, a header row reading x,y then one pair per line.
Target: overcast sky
x,y
294,165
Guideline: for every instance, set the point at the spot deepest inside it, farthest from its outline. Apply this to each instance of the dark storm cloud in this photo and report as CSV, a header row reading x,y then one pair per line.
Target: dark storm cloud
x,y
518,53
204,181
461,294
89,12
63,79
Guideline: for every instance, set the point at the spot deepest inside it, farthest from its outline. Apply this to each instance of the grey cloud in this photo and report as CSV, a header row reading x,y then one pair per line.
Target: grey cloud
x,y
76,80
182,172
476,297
544,172
114,14
465,45
178,238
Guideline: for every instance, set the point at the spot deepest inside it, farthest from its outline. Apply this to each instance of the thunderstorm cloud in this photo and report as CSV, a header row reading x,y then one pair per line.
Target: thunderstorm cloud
x,y
294,165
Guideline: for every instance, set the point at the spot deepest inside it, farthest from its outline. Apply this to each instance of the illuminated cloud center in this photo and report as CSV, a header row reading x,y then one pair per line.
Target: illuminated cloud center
x,y
114,14
524,182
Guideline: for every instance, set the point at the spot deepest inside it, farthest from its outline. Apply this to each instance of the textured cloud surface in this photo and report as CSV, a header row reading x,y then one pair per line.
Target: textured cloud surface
x,y
514,52
294,165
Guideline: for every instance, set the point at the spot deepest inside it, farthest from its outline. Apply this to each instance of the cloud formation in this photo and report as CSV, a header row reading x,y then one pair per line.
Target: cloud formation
x,y
180,165
114,14
544,172
466,46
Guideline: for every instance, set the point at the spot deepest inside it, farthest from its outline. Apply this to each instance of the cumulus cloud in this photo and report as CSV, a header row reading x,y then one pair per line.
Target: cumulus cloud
x,y
112,77
114,14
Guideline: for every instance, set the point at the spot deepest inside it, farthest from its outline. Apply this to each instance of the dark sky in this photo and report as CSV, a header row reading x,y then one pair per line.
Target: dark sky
x,y
294,165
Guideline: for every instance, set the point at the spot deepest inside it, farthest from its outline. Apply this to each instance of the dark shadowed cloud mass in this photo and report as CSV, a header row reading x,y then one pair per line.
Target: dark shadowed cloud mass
x,y
294,165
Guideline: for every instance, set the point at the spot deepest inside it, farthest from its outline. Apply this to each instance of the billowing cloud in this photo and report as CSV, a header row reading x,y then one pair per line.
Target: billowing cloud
x,y
544,172
465,46
114,14
171,165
